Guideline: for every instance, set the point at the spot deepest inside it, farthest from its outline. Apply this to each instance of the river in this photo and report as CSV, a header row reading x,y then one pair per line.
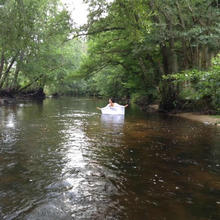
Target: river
x,y
61,159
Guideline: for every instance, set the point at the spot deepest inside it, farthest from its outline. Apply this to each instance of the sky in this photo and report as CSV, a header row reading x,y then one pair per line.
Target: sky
x,y
78,11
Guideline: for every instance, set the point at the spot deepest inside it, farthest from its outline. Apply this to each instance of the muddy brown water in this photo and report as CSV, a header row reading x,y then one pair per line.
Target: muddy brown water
x,y
61,159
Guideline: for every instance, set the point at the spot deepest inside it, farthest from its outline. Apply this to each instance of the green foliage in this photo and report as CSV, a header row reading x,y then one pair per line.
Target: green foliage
x,y
31,43
108,82
114,56
64,62
200,85
146,39
130,45
145,97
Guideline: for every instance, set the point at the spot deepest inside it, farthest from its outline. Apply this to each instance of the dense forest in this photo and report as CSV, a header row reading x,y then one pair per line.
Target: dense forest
x,y
147,51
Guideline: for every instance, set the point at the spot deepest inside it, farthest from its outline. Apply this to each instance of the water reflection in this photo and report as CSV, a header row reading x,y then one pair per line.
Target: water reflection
x,y
112,123
8,126
73,141
112,119
64,160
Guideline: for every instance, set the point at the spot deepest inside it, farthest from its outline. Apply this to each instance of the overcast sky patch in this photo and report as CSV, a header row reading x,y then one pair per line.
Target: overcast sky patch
x,y
78,11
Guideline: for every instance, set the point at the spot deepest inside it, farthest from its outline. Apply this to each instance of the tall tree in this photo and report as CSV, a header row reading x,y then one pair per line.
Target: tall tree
x,y
153,38
28,29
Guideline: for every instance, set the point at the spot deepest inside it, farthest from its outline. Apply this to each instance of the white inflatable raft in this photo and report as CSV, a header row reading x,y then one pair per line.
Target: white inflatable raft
x,y
115,110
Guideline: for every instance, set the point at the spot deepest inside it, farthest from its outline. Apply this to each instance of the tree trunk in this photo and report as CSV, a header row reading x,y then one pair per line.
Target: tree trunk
x,y
144,69
165,55
14,85
2,63
169,92
186,57
6,73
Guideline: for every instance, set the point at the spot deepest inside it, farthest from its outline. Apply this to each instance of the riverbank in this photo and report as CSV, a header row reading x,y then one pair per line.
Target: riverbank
x,y
195,116
12,97
206,119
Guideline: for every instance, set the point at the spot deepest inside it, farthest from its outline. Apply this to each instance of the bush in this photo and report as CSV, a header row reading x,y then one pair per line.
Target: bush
x,y
144,98
202,87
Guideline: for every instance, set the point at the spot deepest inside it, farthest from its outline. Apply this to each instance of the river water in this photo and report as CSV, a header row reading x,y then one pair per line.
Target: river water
x,y
60,159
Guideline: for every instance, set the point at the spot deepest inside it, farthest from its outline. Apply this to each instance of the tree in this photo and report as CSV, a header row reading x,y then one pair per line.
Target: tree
x,y
150,39
29,31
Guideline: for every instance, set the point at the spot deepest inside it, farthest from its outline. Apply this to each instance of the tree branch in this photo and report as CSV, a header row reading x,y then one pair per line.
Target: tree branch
x,y
31,83
8,69
97,32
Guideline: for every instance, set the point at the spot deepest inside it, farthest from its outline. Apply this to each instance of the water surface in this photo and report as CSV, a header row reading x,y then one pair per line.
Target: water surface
x,y
60,159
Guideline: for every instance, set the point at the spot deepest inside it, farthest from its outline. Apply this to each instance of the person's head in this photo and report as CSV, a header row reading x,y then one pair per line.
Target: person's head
x,y
111,100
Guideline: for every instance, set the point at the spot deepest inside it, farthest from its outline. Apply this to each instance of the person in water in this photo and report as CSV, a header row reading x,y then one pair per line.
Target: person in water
x,y
112,103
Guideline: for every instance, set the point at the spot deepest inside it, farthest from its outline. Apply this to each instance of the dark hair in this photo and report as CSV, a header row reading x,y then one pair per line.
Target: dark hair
x,y
112,99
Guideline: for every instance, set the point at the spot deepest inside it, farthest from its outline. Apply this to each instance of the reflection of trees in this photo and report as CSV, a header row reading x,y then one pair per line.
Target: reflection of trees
x,y
49,141
160,163
166,163
33,157
112,123
104,132
148,164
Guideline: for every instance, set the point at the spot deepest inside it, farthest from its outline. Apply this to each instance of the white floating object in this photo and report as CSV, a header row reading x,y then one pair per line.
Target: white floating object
x,y
115,110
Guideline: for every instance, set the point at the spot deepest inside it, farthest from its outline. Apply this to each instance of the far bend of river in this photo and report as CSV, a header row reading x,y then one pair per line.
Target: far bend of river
x,y
61,160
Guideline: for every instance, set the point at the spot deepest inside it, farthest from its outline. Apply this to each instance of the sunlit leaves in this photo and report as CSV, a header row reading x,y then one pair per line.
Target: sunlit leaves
x,y
204,83
30,29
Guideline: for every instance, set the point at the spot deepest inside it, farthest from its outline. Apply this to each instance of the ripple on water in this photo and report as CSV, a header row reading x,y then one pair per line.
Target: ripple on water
x,y
62,160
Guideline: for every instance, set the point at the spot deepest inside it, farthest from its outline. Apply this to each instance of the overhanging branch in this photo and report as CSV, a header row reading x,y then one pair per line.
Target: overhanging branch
x,y
97,32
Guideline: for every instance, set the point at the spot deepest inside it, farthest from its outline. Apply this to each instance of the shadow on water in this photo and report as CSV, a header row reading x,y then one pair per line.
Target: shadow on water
x,y
61,159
